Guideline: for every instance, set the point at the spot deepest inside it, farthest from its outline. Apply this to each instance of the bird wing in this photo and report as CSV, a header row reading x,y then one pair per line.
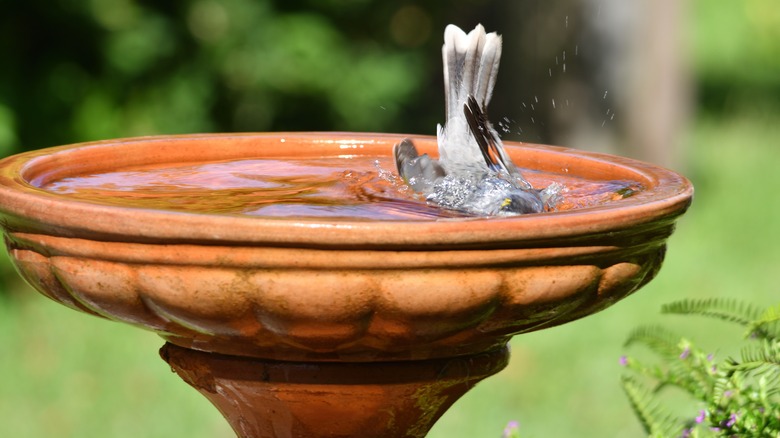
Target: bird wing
x,y
420,172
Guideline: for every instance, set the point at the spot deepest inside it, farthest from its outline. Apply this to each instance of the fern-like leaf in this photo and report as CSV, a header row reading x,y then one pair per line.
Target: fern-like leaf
x,y
754,357
680,370
767,325
722,390
730,310
661,341
655,420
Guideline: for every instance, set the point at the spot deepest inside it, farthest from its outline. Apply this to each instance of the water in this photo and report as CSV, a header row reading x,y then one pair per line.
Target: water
x,y
355,188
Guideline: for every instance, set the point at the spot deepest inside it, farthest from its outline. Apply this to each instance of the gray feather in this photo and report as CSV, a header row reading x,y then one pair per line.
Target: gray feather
x,y
420,172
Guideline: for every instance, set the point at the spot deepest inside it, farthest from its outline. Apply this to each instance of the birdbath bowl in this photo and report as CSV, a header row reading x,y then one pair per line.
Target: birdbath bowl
x,y
320,322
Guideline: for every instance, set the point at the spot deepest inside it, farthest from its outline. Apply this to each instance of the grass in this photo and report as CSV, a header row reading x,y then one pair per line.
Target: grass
x,y
70,375
66,374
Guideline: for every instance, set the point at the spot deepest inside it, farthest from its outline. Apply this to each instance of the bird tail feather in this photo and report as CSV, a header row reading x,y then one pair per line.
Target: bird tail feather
x,y
470,67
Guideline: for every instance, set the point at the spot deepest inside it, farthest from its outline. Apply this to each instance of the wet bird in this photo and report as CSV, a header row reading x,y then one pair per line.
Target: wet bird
x,y
473,173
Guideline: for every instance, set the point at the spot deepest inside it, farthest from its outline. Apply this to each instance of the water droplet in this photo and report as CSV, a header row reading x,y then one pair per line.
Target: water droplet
x,y
553,103
549,70
605,93
576,50
564,67
567,21
536,99
503,124
533,121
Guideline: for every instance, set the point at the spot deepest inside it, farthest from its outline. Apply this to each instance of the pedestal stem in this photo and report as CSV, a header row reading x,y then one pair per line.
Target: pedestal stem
x,y
272,399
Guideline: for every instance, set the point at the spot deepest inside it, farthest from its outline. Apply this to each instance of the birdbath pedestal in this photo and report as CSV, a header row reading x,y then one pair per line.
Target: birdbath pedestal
x,y
330,326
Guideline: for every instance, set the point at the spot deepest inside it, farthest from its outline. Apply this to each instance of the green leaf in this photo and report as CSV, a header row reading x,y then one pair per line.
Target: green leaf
x,y
655,420
663,342
730,310
767,325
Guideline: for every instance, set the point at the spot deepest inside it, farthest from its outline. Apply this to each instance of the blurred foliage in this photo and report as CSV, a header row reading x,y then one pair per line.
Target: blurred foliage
x,y
79,70
737,55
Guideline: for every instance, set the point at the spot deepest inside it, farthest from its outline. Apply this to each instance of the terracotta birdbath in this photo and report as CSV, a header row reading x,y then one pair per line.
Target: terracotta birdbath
x,y
306,318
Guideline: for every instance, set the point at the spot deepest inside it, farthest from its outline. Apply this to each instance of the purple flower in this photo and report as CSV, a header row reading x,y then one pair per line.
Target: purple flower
x,y
623,361
686,433
510,429
728,393
710,357
732,420
701,417
685,353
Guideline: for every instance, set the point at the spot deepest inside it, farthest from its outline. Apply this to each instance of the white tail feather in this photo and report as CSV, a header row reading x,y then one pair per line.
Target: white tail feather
x,y
470,69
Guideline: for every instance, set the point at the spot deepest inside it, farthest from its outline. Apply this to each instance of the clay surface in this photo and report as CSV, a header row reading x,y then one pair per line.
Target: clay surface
x,y
289,289
305,399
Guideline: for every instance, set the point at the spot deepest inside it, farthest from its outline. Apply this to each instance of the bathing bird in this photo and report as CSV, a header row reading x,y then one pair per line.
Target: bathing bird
x,y
473,173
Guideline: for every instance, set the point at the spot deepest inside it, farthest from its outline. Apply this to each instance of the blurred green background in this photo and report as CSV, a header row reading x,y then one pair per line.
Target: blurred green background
x,y
694,85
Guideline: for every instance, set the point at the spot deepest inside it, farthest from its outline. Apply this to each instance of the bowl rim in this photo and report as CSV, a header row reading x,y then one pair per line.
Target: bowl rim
x,y
24,206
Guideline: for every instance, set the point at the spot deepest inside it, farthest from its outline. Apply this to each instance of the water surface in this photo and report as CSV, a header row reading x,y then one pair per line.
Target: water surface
x,y
348,188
